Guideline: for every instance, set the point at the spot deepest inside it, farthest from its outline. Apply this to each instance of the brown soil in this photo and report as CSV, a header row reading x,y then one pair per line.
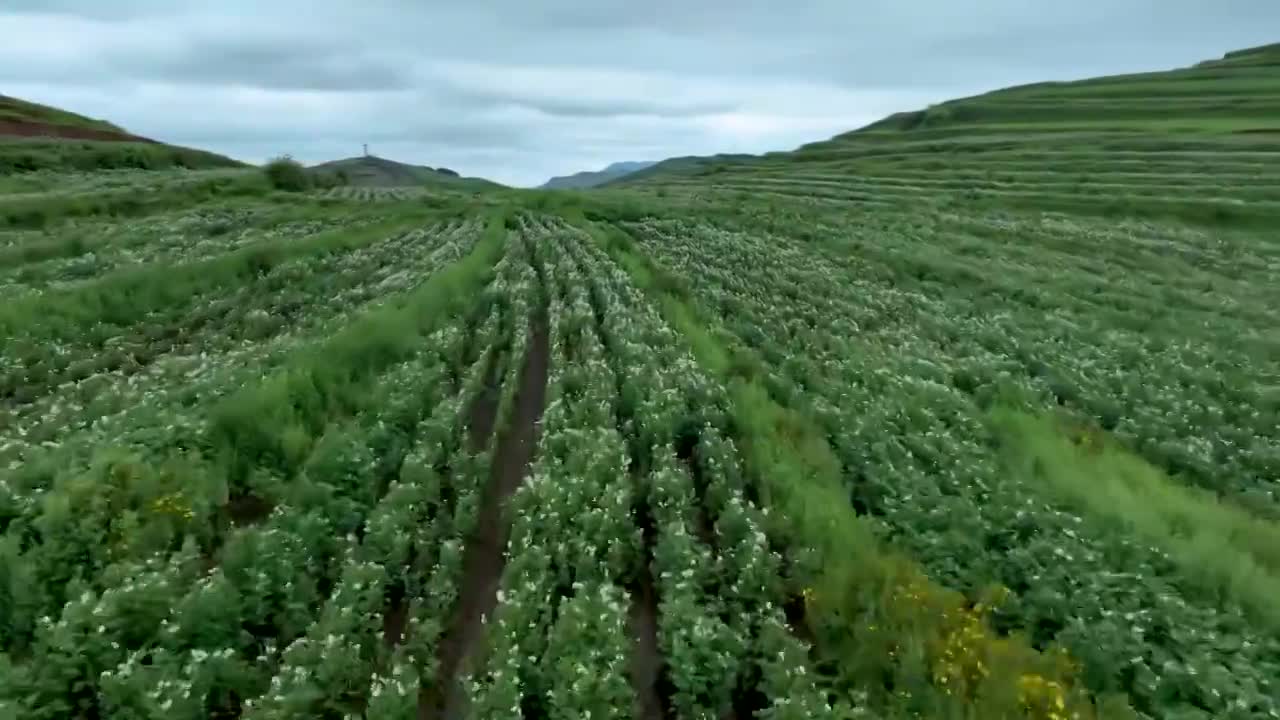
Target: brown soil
x,y
747,703
394,618
15,128
687,452
483,559
651,686
248,510
795,612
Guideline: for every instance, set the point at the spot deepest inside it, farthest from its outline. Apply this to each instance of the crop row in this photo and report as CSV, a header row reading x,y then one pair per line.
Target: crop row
x,y
1192,396
308,286
176,586
610,501
78,254
375,194
898,377
245,331
145,632
70,183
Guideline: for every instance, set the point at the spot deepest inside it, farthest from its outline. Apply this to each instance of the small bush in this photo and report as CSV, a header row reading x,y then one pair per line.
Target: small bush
x,y
287,174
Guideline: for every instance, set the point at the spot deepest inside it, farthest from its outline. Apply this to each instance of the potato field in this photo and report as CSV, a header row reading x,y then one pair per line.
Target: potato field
x,y
502,458
973,414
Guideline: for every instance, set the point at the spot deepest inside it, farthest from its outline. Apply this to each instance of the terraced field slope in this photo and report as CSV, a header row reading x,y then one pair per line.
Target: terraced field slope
x,y
1199,143
829,434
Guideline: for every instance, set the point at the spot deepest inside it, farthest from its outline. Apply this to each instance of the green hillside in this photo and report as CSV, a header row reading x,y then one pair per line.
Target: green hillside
x,y
688,165
13,110
1201,142
35,137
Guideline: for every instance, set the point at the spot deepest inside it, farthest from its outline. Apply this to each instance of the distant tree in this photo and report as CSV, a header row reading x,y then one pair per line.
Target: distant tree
x,y
446,171
288,174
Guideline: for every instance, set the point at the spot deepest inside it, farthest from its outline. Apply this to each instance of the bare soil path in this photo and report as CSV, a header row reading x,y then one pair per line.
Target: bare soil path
x,y
483,559
483,412
646,664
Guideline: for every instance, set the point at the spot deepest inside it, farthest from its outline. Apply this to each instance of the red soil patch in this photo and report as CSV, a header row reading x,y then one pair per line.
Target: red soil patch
x,y
15,128
483,560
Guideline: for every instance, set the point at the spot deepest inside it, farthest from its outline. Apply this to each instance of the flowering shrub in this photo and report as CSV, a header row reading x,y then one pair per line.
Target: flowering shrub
x,y
586,655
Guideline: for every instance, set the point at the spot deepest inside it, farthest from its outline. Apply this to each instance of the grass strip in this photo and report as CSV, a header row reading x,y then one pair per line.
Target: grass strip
x,y
127,296
1222,550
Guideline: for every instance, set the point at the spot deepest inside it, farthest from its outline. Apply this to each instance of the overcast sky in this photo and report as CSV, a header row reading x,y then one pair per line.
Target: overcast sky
x,y
519,90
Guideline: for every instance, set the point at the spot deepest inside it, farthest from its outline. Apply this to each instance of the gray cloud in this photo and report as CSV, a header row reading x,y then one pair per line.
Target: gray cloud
x,y
519,91
272,63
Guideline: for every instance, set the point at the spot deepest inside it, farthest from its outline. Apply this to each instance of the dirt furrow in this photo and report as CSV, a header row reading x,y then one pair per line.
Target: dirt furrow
x,y
646,662
483,558
483,412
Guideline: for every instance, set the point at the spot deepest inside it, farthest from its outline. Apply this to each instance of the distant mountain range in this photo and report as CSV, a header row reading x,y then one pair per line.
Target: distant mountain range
x,y
589,179
687,165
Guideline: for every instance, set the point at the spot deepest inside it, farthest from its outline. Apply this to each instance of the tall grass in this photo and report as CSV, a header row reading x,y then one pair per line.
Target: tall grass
x,y
1222,550
87,238
127,296
18,156
274,424
42,211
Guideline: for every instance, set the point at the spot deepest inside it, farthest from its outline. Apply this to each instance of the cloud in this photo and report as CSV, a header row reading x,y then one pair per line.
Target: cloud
x,y
520,91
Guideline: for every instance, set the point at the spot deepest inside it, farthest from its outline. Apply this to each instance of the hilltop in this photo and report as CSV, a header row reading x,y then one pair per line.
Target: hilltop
x,y
40,137
588,178
377,172
1259,57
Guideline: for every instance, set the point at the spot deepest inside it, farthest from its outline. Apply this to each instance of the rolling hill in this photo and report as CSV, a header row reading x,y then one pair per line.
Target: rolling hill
x,y
1197,142
27,119
687,165
589,178
376,172
39,137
